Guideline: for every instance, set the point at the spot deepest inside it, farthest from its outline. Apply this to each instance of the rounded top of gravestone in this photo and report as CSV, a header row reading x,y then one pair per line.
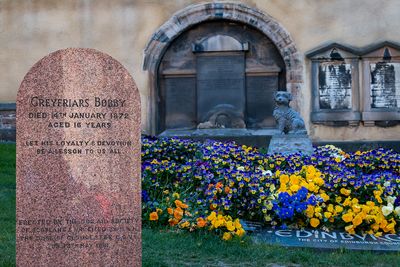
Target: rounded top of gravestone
x,y
86,67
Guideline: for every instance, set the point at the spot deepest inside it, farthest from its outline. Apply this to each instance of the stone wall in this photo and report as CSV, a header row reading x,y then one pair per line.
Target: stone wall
x,y
7,121
123,28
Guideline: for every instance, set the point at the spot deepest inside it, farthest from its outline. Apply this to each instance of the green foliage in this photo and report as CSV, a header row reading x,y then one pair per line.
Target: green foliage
x,y
170,248
7,204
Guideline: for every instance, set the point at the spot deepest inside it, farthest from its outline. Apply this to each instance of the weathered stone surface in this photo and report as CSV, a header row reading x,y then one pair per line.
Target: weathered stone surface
x,y
290,144
335,86
385,85
78,163
220,80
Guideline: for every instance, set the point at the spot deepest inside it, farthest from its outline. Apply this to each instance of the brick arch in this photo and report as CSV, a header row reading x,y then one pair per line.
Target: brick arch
x,y
198,13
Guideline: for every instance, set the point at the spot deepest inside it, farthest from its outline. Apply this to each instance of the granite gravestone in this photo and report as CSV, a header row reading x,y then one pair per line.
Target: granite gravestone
x,y
78,163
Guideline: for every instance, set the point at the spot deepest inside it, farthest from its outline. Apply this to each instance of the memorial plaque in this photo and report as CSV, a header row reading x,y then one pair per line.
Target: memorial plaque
x,y
78,163
385,85
335,86
220,81
260,100
180,102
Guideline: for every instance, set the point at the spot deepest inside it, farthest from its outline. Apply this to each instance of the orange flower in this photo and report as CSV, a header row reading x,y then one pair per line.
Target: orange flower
x,y
219,185
178,213
201,222
314,222
227,190
173,222
170,211
153,216
180,204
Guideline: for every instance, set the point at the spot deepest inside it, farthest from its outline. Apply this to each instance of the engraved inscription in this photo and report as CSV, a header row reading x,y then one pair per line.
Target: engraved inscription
x,y
220,81
335,86
69,233
385,85
78,114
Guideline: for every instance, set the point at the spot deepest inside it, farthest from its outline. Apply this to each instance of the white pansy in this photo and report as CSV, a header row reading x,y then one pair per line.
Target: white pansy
x,y
269,173
272,187
397,211
386,210
386,184
391,200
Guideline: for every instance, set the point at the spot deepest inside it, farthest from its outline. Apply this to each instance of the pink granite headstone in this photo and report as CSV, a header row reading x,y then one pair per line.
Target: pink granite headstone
x,y
78,163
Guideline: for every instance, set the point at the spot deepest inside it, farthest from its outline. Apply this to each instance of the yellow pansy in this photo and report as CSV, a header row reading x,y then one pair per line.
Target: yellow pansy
x,y
347,217
338,209
240,232
212,216
350,229
294,188
294,179
325,197
184,225
237,224
357,220
310,211
227,236
345,191
230,226
284,179
330,208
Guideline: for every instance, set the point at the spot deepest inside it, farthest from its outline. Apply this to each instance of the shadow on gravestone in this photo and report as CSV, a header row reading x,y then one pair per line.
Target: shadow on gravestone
x,y
78,163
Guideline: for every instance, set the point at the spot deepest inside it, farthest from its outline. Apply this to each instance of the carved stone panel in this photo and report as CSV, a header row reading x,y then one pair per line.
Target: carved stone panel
x,y
385,85
381,76
260,100
220,82
335,86
180,102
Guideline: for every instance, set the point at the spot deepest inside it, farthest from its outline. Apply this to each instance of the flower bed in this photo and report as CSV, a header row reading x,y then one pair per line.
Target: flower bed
x,y
213,185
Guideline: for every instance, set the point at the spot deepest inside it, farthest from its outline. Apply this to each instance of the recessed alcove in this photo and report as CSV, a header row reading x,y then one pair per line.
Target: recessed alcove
x,y
219,75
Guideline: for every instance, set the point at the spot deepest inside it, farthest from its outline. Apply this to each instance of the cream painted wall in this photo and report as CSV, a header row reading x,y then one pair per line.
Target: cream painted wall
x,y
29,30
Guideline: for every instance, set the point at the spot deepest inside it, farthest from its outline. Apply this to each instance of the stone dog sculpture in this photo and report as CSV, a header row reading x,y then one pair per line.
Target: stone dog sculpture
x,y
288,120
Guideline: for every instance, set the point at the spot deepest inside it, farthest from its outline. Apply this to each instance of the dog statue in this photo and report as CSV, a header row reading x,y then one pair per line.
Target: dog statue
x,y
288,120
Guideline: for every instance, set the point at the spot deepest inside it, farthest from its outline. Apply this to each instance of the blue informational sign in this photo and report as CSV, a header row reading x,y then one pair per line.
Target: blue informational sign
x,y
328,240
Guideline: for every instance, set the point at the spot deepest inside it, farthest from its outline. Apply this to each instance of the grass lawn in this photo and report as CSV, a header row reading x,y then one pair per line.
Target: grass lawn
x,y
167,248
7,204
